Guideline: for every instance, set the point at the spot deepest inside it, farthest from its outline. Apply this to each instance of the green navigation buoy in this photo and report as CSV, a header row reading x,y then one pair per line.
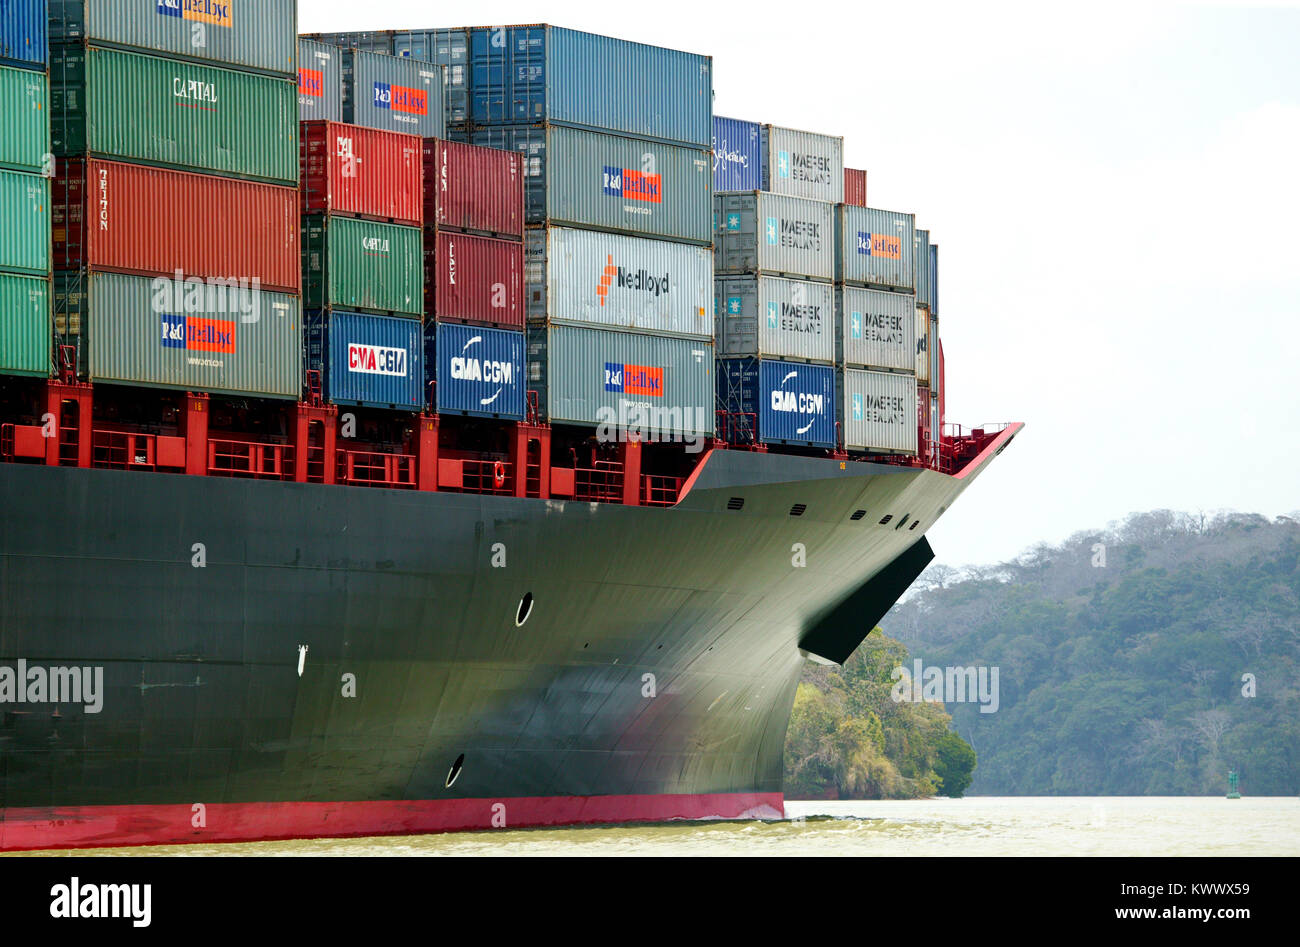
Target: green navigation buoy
x,y
1232,785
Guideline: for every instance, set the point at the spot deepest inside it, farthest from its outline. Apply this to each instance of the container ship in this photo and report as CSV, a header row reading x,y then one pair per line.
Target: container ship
x,y
414,431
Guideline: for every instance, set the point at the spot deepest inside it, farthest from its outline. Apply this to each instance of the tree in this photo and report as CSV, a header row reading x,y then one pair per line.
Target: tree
x,y
954,765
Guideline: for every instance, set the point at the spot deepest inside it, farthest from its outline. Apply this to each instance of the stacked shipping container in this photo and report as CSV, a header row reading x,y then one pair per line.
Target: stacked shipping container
x,y
25,251
362,200
175,215
774,214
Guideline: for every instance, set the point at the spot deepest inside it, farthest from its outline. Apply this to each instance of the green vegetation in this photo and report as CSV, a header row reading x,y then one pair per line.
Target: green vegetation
x,y
1128,659
849,739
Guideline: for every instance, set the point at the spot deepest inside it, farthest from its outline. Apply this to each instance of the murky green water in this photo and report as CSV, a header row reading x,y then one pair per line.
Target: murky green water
x,y
975,826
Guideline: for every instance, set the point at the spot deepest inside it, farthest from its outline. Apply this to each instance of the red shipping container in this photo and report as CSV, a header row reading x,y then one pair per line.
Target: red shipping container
x,y
361,172
475,279
129,218
855,187
473,188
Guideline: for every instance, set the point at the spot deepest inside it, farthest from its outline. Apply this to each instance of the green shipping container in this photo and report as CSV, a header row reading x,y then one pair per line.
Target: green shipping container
x,y
24,119
24,223
135,330
175,114
360,264
24,325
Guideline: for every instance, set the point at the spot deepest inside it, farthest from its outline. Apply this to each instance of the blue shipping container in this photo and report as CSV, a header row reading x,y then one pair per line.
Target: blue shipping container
x,y
737,155
377,361
522,74
479,371
791,402
24,26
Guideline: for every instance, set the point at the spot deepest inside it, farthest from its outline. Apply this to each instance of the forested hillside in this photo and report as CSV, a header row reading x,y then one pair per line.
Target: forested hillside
x,y
1127,657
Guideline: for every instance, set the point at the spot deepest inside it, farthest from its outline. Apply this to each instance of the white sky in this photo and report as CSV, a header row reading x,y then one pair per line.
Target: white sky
x,y
1115,189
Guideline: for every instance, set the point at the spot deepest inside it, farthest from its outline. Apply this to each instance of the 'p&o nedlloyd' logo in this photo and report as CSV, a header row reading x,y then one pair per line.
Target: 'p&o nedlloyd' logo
x,y
215,12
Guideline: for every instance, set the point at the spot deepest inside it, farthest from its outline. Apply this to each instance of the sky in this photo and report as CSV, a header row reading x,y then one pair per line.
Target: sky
x,y
1115,191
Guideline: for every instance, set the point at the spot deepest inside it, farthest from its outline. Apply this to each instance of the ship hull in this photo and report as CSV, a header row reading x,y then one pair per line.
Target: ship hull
x,y
652,678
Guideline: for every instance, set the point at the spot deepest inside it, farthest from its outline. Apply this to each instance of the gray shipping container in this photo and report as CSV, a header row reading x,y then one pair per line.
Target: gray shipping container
x,y
320,82
936,381
401,95
662,386
921,267
923,346
142,331
880,411
259,35
874,247
803,164
617,281
628,185
773,317
876,329
757,232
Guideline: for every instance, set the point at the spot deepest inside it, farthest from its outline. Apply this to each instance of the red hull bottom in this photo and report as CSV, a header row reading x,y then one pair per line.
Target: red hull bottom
x,y
113,826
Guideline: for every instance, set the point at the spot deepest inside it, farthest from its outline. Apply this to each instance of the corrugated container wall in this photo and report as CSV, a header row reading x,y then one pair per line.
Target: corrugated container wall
x,y
24,325
527,74
161,111
24,223
934,278
251,34
401,95
448,48
803,164
24,119
880,411
480,371
136,219
23,33
876,329
936,349
475,279
770,233
377,361
349,263
921,266
855,187
473,188
660,385
874,247
791,402
224,343
737,155
320,82
622,184
774,317
616,281
923,347
366,172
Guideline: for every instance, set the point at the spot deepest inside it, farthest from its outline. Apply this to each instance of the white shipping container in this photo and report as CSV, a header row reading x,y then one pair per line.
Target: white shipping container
x,y
770,317
876,329
880,411
584,277
922,346
758,232
803,164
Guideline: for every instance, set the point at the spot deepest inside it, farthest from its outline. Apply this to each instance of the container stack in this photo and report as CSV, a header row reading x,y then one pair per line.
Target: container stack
x,y
876,319
175,207
474,279
25,165
612,139
615,141
775,209
362,201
